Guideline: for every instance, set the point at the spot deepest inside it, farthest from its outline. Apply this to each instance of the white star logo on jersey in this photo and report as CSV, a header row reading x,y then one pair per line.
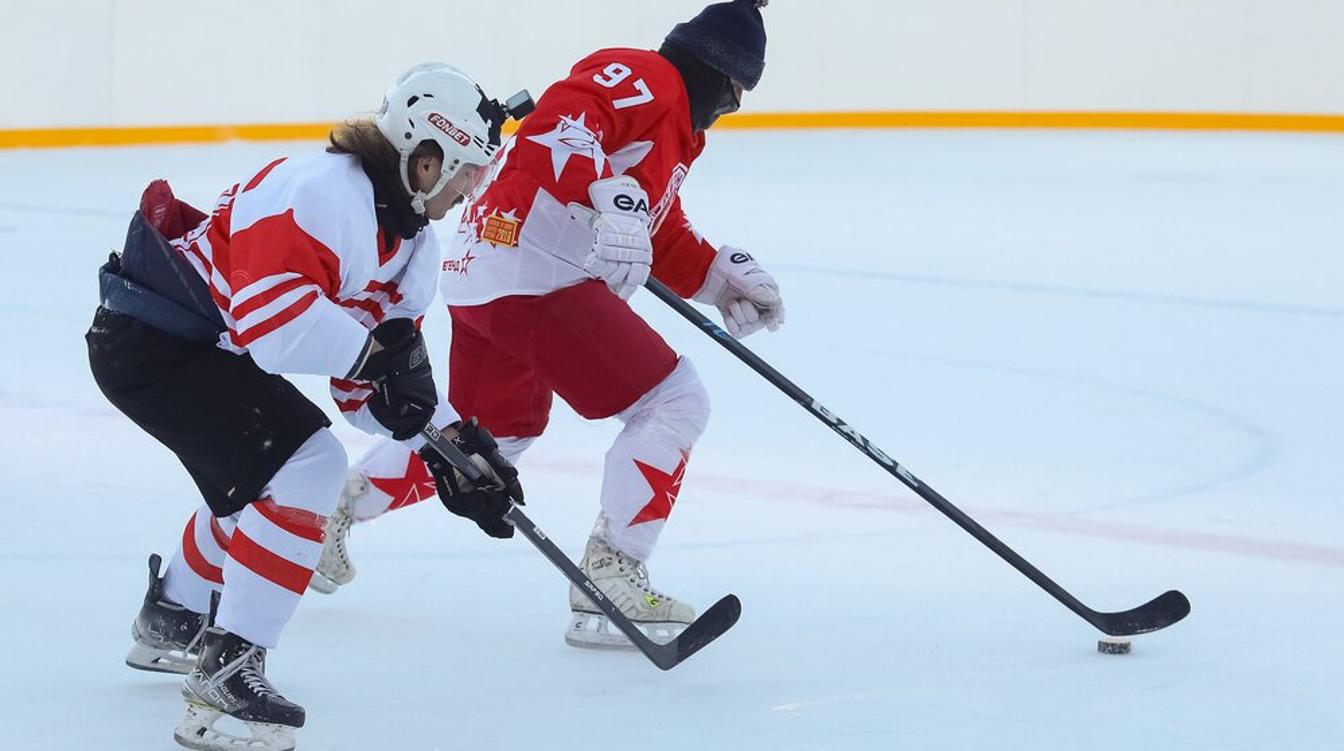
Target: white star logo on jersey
x,y
572,137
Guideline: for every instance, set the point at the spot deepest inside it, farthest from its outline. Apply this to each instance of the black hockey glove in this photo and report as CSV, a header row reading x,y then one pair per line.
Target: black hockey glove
x,y
484,505
401,376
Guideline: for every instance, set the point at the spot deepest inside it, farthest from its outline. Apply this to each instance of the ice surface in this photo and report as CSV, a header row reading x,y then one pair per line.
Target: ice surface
x,y
1120,352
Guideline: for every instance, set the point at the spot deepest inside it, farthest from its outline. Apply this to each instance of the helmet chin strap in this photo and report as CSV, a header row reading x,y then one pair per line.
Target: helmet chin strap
x,y
418,198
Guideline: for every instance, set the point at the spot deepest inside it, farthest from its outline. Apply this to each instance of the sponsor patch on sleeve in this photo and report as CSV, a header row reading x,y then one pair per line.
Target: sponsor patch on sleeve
x,y
501,230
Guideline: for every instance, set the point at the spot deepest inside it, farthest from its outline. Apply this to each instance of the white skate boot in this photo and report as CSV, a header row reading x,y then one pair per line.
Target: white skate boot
x,y
334,568
625,581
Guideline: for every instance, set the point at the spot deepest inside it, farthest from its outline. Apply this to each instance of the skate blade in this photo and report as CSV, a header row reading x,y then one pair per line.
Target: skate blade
x,y
595,631
157,660
197,730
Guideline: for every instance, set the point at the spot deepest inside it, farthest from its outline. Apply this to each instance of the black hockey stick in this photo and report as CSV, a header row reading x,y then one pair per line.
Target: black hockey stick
x,y
709,626
1158,613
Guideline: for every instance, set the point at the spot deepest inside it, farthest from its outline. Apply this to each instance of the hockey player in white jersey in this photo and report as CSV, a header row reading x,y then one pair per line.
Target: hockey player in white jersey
x,y
585,207
320,264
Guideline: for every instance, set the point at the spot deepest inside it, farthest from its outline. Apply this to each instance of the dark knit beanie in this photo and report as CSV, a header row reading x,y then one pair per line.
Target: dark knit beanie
x,y
728,37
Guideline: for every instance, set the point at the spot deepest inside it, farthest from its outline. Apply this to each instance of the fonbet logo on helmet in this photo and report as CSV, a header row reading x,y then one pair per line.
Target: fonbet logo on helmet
x,y
446,125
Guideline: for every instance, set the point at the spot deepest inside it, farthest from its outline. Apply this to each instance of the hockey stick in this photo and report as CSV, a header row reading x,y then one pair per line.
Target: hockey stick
x,y
709,626
1160,612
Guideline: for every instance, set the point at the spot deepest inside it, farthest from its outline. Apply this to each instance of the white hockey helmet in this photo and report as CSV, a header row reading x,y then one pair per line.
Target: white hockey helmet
x,y
437,102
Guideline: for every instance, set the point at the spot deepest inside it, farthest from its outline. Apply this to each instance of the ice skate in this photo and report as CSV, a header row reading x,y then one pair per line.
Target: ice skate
x,y
167,636
335,569
227,690
625,581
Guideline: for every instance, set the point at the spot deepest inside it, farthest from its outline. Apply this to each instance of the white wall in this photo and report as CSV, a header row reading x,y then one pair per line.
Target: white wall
x,y
140,62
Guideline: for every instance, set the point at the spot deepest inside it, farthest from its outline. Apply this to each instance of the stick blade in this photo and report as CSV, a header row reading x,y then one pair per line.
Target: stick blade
x,y
711,624
1158,613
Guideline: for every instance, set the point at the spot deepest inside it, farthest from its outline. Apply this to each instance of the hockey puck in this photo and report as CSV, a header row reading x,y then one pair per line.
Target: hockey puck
x,y
1110,646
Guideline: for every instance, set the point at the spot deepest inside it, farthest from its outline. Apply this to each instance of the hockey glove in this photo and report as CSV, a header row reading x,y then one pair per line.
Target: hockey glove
x,y
622,251
484,505
403,382
745,294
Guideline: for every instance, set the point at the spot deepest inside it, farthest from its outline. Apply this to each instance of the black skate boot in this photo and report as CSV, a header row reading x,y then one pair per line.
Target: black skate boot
x,y
230,679
167,636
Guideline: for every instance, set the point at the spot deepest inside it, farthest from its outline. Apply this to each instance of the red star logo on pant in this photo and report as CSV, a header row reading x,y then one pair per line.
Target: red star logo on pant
x,y
414,487
665,488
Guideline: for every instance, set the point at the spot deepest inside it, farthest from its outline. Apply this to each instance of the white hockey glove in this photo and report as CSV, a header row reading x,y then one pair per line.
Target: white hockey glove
x,y
622,251
746,294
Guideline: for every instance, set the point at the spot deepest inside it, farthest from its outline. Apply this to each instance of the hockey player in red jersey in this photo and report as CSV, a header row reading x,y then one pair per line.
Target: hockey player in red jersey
x,y
583,209
319,264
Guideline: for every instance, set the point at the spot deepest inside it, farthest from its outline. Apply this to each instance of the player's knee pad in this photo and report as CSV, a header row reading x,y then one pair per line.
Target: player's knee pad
x,y
678,407
313,476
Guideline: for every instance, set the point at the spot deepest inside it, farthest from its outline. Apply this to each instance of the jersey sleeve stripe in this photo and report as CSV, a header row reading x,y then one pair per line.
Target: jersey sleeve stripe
x,y
247,334
280,303
391,288
270,281
368,306
244,304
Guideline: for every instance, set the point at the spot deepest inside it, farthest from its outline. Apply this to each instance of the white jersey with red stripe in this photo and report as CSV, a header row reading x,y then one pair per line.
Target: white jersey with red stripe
x,y
301,271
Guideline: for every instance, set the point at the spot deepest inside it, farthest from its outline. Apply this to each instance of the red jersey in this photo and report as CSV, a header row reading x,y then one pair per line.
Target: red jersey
x,y
620,112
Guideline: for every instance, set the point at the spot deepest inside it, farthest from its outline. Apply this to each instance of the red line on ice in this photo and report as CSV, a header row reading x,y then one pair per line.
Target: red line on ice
x,y
1174,538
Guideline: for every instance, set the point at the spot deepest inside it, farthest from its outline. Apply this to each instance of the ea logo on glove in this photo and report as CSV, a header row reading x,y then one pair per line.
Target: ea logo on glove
x,y
627,203
740,257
